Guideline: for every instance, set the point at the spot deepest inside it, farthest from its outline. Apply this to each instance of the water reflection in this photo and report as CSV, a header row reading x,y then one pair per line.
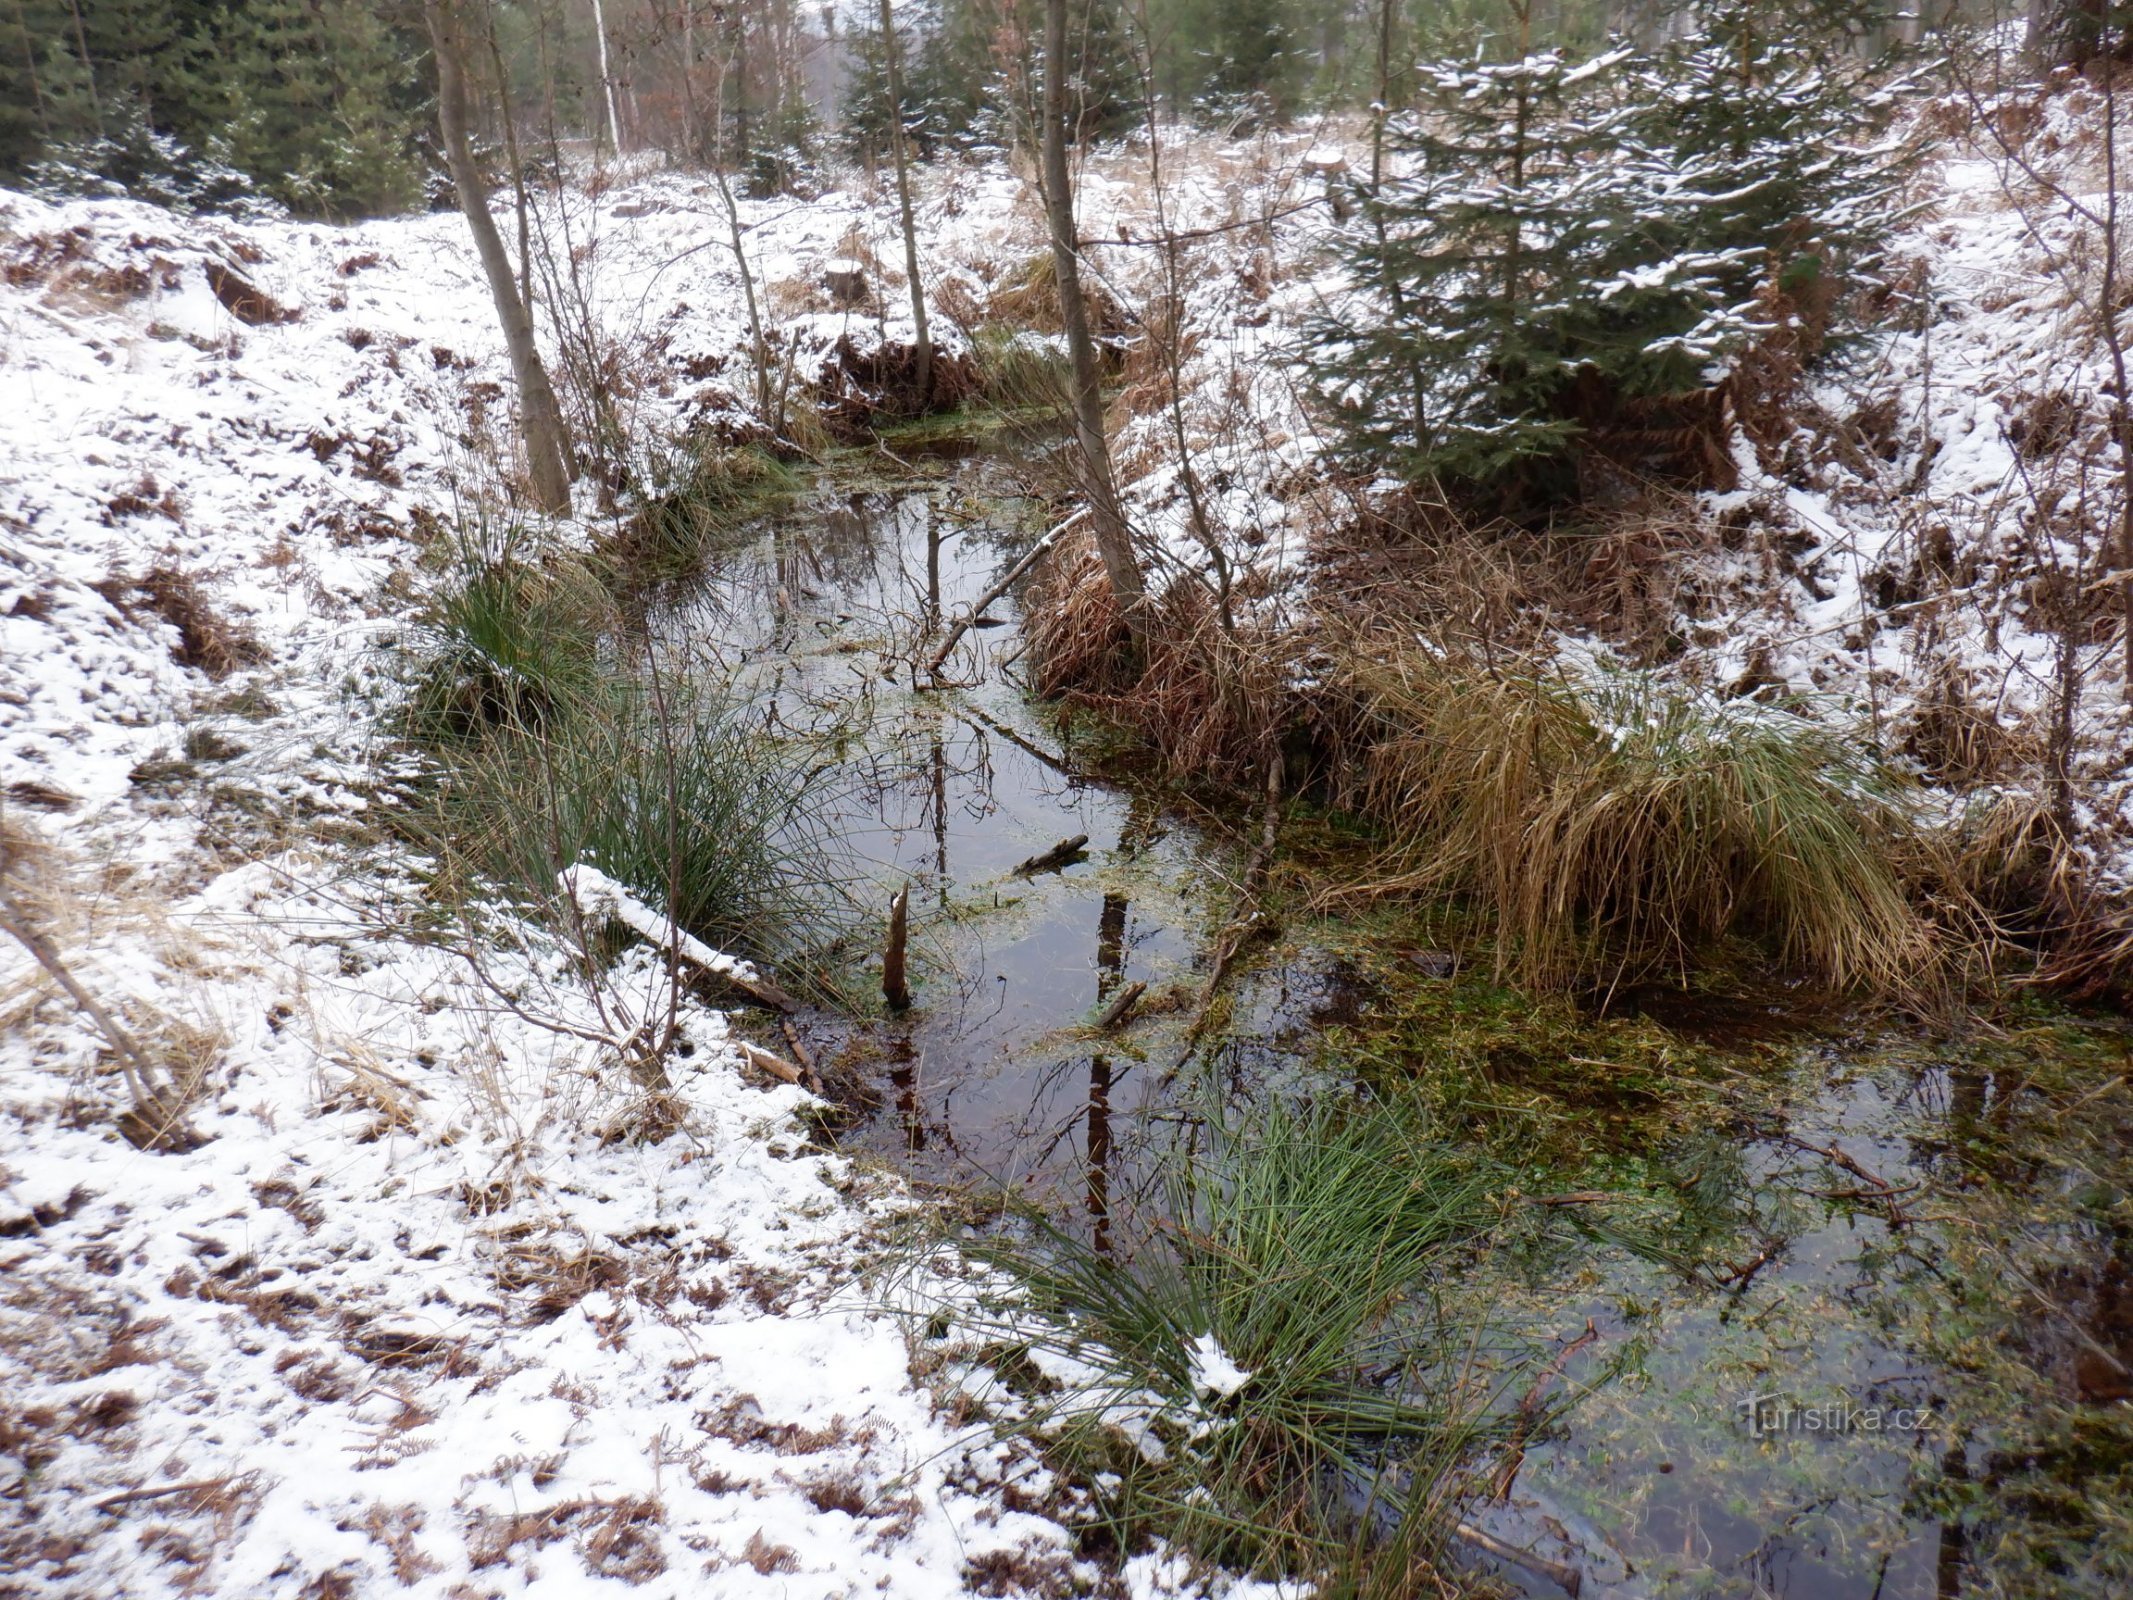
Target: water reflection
x,y
817,621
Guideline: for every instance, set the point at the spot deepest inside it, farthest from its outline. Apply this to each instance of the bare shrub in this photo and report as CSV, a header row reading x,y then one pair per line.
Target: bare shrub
x,y
1209,700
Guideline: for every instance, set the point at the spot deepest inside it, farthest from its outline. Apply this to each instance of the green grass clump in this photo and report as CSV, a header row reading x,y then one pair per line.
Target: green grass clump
x,y
507,645
551,750
689,804
1022,371
1616,827
1313,1248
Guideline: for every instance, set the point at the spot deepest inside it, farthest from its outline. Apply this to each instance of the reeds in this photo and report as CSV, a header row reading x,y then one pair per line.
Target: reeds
x,y
550,750
1022,371
706,500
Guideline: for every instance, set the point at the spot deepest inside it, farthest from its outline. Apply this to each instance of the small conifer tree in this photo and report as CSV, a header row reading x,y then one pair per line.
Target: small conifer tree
x,y
1522,249
1563,258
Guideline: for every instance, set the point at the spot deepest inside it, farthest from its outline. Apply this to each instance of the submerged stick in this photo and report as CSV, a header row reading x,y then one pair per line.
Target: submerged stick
x,y
969,618
895,988
1121,1003
1060,854
1569,1579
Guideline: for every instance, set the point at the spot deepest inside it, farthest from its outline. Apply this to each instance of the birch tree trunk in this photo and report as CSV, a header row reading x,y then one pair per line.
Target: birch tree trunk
x,y
540,419
1114,541
607,81
891,56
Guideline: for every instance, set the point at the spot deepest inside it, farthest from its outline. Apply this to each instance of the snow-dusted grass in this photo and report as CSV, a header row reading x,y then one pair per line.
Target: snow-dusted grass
x,y
1614,826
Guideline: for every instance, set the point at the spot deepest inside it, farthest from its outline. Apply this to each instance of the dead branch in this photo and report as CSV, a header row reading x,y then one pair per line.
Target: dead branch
x,y
140,1072
1061,854
969,618
778,1067
1121,1003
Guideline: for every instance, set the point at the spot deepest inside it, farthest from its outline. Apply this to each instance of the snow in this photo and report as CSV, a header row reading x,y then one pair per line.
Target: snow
x,y
595,894
430,1310
1212,1370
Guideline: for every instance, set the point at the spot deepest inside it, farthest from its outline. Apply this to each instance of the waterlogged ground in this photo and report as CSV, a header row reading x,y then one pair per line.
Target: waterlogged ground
x,y
1860,1291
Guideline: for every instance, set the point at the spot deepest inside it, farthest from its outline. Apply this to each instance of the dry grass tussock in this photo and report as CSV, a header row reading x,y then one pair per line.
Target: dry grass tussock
x,y
208,641
1615,826
1615,823
164,1060
1210,699
1027,296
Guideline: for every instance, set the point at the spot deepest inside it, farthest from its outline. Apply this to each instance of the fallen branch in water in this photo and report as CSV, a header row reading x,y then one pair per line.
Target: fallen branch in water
x,y
1121,1003
1878,1187
969,618
1061,854
595,894
1569,1579
1530,1406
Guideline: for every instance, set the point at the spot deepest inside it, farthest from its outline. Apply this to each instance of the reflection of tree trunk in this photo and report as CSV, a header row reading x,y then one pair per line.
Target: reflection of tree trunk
x,y
1110,945
1099,1153
910,1112
1110,969
933,571
1948,1574
891,55
940,814
540,421
1113,541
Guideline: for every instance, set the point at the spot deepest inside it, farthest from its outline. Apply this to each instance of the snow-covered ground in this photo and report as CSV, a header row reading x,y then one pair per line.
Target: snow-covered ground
x,y
1910,552
422,1312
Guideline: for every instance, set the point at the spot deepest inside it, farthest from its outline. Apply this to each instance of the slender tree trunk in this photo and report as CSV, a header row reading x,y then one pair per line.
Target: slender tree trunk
x,y
1383,108
607,81
890,56
1172,336
1113,540
518,167
767,403
540,420
2114,338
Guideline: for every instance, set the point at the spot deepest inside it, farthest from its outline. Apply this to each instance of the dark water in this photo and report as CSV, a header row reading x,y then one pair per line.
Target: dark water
x,y
1889,1278
994,1072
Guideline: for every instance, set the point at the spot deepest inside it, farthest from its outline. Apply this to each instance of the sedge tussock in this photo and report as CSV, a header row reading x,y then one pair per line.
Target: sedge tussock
x,y
1269,1375
1620,824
